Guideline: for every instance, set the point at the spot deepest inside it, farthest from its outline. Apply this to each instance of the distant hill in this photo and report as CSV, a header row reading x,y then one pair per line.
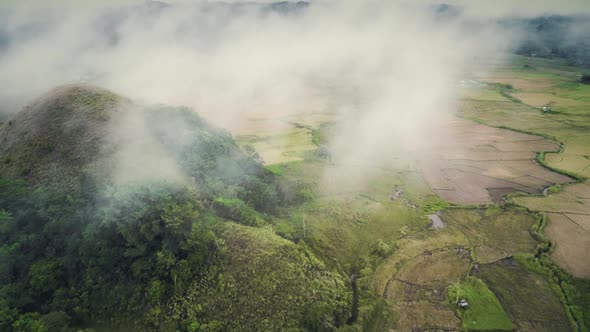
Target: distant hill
x,y
547,36
555,37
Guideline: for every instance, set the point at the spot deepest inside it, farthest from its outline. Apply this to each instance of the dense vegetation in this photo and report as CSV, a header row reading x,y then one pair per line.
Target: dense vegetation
x,y
554,37
156,254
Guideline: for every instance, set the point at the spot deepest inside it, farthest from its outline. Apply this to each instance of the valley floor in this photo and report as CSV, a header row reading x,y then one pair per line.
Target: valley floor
x,y
507,180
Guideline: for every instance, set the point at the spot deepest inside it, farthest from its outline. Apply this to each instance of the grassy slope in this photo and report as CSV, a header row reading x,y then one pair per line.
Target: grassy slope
x,y
484,311
259,281
354,227
58,135
344,229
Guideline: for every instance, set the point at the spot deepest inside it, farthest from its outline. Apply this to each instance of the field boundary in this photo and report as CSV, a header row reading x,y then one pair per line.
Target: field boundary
x,y
555,274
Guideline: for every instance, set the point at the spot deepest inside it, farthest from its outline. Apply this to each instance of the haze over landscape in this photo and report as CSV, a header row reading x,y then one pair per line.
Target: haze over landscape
x,y
303,166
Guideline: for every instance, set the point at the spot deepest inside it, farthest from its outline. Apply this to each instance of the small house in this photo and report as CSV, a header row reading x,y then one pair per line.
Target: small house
x,y
463,303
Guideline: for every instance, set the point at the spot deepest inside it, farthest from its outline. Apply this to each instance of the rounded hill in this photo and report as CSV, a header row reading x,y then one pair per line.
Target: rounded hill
x,y
58,137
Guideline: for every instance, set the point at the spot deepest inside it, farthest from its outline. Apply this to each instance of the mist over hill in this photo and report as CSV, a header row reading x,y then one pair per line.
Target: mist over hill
x,y
556,37
127,204
549,35
117,215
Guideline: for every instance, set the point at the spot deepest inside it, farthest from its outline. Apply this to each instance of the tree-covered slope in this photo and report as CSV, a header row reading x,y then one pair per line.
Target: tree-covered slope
x,y
86,244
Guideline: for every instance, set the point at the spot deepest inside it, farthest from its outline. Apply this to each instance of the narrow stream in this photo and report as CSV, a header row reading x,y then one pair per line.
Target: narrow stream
x,y
355,300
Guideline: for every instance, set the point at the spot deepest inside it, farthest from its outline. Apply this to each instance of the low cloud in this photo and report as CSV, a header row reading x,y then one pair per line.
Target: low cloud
x,y
385,67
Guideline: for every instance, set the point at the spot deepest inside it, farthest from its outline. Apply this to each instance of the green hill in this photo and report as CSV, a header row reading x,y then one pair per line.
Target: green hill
x,y
83,247
57,138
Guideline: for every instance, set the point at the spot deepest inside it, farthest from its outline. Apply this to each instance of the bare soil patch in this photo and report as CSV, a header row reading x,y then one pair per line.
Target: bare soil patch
x,y
425,316
539,99
438,268
533,84
571,234
459,170
403,291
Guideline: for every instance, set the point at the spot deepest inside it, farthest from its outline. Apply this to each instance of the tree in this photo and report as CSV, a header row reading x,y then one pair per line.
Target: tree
x,y
29,322
57,321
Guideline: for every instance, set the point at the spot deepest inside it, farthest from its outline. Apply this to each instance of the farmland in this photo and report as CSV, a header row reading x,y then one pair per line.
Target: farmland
x,y
494,166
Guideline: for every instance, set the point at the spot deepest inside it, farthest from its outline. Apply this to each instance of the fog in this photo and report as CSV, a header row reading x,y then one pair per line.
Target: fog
x,y
499,8
385,67
140,157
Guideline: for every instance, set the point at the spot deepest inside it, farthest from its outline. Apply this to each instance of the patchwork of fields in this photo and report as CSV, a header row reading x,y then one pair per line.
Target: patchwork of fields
x,y
489,173
546,82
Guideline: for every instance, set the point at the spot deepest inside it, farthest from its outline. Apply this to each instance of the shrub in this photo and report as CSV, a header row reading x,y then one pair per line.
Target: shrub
x,y
381,249
235,209
56,321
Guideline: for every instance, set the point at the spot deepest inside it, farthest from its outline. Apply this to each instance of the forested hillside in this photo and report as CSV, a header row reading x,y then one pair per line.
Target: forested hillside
x,y
82,247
